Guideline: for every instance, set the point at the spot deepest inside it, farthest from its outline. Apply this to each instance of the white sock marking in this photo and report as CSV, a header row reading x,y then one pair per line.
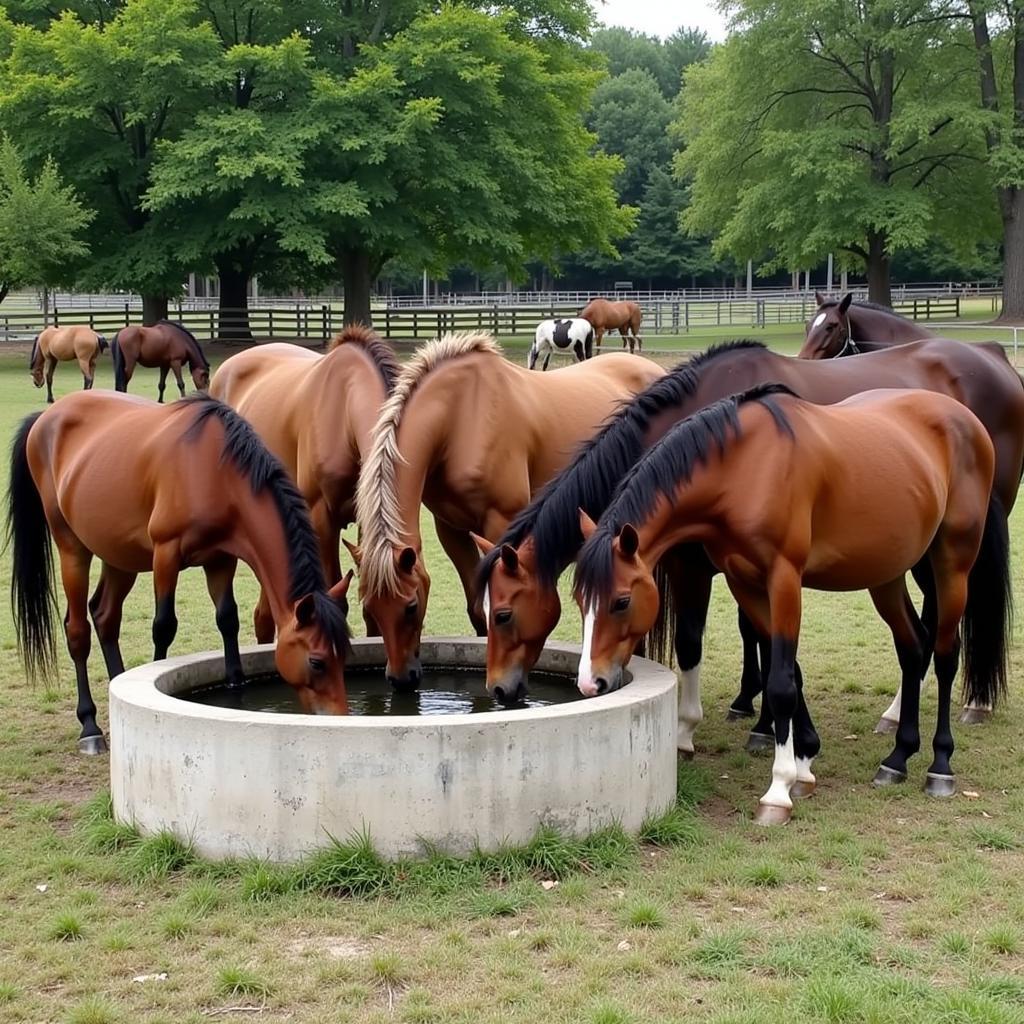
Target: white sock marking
x,y
803,770
690,710
783,774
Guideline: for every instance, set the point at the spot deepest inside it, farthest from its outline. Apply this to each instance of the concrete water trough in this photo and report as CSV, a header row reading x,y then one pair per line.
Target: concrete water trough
x,y
241,783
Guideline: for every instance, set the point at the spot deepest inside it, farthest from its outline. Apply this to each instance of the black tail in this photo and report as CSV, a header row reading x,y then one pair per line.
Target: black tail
x,y
988,617
659,644
120,379
32,599
102,343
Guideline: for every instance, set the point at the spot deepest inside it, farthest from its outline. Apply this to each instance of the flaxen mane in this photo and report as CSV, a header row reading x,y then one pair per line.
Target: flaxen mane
x,y
377,511
377,349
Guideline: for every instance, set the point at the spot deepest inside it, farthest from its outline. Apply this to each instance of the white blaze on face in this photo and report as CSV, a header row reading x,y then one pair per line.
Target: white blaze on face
x,y
487,607
584,677
818,320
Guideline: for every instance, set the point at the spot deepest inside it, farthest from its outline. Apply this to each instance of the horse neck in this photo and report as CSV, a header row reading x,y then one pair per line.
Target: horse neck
x,y
684,518
873,329
351,373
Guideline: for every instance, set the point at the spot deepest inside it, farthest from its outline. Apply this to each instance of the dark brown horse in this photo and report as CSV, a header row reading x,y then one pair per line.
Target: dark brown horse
x,y
844,328
784,494
156,489
624,317
518,577
167,345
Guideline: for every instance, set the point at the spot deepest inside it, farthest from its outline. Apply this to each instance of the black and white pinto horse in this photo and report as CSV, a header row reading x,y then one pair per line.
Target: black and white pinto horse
x,y
575,334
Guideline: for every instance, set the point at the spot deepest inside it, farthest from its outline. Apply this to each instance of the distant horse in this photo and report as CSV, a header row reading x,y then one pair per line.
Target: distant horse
x,y
315,413
845,328
151,489
517,577
623,317
168,345
62,344
471,436
785,494
575,334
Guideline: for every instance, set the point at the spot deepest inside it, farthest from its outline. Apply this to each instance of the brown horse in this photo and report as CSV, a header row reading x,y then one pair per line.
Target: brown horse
x,y
167,345
471,436
785,494
518,577
315,413
151,489
62,344
846,328
623,317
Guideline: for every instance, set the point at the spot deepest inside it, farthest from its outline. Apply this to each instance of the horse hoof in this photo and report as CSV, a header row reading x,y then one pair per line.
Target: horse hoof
x,y
802,789
771,814
734,714
686,755
886,776
91,746
939,785
886,727
758,741
975,716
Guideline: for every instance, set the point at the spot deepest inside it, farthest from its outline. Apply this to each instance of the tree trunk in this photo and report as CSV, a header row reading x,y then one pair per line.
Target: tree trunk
x,y
233,308
1012,204
154,307
357,278
879,284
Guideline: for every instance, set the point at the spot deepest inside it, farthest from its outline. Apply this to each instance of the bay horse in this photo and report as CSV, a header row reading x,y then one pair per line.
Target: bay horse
x,y
623,317
168,345
314,411
785,494
60,345
195,487
471,436
845,328
574,334
517,577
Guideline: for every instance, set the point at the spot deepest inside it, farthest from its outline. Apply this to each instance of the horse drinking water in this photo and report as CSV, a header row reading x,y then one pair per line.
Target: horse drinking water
x,y
167,345
623,317
575,334
62,344
784,494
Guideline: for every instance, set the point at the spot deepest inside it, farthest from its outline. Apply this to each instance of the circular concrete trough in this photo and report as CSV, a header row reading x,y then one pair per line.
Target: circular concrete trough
x,y
275,786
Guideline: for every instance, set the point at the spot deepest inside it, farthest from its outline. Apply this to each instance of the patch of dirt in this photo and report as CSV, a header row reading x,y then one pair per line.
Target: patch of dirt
x,y
334,947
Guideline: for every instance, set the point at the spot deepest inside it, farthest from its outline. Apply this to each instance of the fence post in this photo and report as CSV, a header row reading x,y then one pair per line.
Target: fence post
x,y
1015,345
323,313
514,320
212,335
126,320
56,316
387,321
686,317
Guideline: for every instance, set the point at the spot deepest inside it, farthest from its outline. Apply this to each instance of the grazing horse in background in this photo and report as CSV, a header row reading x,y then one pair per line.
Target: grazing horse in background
x,y
517,578
623,317
315,412
168,345
62,344
785,494
156,489
846,328
471,436
575,334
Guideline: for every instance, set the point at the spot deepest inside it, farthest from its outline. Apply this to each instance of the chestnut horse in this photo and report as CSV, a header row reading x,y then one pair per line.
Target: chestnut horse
x,y
194,486
847,328
623,317
518,576
60,345
315,413
471,436
785,494
168,345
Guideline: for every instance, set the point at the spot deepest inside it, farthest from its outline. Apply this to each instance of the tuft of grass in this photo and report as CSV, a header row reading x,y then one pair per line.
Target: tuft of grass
x,y
177,924
866,918
500,902
159,856
1001,989
764,875
352,868
8,993
387,968
676,827
553,855
118,939
991,837
65,928
240,981
720,950
202,899
262,882
93,1010
1002,939
645,914
607,1013
956,944
693,784
833,1000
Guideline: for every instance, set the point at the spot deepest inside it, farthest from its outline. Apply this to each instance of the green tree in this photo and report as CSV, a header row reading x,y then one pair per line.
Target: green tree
x,y
41,223
834,126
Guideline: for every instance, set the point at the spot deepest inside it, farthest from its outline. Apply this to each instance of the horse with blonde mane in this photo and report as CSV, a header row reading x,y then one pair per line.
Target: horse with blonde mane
x,y
315,412
60,345
471,436
623,317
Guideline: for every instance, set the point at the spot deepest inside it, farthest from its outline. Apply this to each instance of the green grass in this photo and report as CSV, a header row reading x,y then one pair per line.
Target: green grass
x,y
869,907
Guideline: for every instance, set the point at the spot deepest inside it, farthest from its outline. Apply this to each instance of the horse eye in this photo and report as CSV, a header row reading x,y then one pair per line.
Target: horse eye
x,y
620,604
317,664
828,327
410,609
503,617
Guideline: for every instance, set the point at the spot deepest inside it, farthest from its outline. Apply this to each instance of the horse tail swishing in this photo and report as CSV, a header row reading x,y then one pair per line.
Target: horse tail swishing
x,y
32,575
120,372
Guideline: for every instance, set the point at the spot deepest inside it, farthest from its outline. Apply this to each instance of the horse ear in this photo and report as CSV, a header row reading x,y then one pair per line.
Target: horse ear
x,y
305,610
483,545
510,558
820,299
340,589
629,540
844,303
407,560
354,550
587,525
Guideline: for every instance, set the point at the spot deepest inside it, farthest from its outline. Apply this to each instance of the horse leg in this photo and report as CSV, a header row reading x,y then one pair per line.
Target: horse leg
x,y
163,383
893,605
750,678
459,547
83,365
51,365
166,567
176,367
627,339
220,576
598,336
106,607
547,358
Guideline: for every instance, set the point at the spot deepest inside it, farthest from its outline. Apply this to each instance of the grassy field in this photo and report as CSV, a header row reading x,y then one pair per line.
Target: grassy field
x,y
870,907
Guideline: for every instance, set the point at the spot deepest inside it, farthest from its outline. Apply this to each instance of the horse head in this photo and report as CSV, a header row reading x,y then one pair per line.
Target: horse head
x,y
35,363
828,334
521,612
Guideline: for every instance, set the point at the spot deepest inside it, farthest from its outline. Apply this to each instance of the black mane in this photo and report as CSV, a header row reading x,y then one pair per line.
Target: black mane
x,y
660,472
248,454
32,354
193,343
589,481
